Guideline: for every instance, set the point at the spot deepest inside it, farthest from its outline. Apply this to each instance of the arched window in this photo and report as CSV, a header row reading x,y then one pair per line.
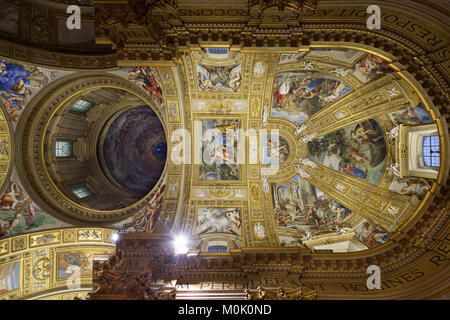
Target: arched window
x,y
431,151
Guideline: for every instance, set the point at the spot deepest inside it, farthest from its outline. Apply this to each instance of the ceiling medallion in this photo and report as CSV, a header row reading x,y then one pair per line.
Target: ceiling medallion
x,y
297,5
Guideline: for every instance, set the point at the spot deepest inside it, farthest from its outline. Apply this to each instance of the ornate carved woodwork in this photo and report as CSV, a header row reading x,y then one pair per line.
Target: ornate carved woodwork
x,y
280,294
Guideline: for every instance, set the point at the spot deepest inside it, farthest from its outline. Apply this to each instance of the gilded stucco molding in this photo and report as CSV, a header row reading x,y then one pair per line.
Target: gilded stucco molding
x,y
40,260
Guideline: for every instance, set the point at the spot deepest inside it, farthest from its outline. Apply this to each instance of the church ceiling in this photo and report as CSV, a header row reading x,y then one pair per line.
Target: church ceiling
x,y
318,155
277,146
308,156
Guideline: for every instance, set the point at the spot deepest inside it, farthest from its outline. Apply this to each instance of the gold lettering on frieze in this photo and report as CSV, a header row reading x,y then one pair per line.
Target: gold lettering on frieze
x,y
232,203
205,202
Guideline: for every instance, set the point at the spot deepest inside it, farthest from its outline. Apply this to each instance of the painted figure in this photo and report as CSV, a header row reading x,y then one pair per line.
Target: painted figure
x,y
359,150
305,93
18,213
372,235
147,78
219,78
218,220
219,150
18,83
412,115
147,218
372,64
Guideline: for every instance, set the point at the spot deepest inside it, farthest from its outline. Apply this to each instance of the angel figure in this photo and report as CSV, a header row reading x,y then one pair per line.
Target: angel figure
x,y
394,169
259,230
301,173
233,215
265,121
301,128
394,132
308,137
307,162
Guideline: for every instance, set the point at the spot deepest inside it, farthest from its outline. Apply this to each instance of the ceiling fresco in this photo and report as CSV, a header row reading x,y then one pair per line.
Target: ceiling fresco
x,y
299,95
134,149
269,138
359,150
292,147
315,91
19,213
20,82
340,105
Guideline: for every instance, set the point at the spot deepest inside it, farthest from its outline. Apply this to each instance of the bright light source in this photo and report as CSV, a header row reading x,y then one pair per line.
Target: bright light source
x,y
115,236
181,245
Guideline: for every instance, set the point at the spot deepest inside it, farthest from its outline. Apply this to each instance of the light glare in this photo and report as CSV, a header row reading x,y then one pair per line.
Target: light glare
x,y
181,245
115,237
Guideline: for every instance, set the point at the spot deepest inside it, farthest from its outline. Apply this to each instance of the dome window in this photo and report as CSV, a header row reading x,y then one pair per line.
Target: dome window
x,y
82,192
64,149
82,106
